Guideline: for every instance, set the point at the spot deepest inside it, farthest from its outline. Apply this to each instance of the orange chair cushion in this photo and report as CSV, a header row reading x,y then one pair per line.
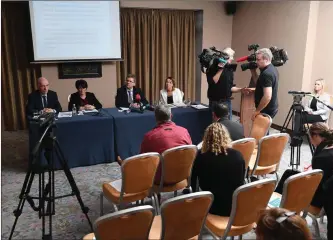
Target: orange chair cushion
x,y
315,211
113,194
218,224
156,229
171,188
89,236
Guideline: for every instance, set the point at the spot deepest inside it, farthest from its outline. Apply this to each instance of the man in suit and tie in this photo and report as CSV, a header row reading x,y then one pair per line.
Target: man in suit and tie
x,y
126,94
43,99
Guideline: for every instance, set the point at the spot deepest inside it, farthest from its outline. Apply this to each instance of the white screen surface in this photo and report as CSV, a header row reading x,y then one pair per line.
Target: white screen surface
x,y
75,30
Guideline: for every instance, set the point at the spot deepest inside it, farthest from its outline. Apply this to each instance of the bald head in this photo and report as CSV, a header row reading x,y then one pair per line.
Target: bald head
x,y
43,85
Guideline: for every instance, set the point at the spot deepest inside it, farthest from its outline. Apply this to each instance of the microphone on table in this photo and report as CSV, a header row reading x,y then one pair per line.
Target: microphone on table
x,y
138,100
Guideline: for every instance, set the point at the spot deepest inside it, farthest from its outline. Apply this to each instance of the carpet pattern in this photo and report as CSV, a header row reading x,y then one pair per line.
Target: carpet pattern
x,y
69,221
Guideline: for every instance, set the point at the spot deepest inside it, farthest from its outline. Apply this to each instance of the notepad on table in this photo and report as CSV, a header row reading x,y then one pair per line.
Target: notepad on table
x,y
65,114
199,106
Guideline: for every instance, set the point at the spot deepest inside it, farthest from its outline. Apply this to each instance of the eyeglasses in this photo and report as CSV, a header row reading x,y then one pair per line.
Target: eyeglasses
x,y
285,216
129,81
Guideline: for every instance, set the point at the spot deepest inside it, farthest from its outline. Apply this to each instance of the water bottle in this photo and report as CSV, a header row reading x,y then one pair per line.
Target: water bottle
x,y
74,112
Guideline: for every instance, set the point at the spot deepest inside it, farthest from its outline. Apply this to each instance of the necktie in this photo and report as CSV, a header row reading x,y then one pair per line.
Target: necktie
x,y
130,98
44,101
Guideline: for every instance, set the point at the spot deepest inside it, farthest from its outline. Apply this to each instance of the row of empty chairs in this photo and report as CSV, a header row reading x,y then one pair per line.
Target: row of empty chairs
x,y
138,174
185,216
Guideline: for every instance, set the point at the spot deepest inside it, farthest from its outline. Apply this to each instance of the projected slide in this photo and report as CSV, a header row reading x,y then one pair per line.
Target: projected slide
x,y
75,30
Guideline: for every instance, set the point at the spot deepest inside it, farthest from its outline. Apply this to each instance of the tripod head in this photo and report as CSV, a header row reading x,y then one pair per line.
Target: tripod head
x,y
298,96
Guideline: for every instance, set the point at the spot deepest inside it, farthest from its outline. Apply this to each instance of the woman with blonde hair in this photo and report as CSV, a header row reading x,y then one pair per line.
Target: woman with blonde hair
x,y
170,94
280,224
219,168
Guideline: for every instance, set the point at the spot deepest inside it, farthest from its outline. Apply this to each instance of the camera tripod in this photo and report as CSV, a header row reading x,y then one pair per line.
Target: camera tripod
x,y
297,135
50,145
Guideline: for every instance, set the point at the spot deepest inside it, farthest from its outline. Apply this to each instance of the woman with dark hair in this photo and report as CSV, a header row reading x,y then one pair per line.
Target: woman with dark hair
x,y
219,168
82,99
170,94
322,138
280,224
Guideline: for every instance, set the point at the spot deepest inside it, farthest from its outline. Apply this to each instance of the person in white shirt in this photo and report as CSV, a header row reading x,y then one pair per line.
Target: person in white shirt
x,y
170,94
314,110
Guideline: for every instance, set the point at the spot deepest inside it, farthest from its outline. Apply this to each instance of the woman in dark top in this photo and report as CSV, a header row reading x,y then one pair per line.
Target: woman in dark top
x,y
82,99
322,138
219,168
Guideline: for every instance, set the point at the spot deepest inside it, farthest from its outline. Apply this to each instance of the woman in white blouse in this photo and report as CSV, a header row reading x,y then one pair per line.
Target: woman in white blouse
x,y
314,111
170,94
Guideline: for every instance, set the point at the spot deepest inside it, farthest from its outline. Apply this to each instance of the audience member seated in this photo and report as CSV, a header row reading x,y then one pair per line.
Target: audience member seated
x,y
164,136
82,99
43,99
219,168
314,111
170,94
126,94
220,114
322,138
280,224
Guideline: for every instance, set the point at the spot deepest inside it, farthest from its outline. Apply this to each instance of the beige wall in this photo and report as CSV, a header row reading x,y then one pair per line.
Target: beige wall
x,y
217,30
323,49
273,23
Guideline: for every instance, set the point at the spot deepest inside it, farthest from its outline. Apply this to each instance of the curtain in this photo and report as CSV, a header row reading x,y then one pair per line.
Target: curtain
x,y
157,44
18,76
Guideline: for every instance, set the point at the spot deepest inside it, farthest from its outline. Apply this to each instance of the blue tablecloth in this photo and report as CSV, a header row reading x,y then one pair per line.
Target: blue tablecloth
x,y
84,140
130,128
89,140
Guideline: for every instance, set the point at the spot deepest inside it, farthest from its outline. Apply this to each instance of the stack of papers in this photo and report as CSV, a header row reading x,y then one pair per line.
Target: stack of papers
x,y
90,111
199,106
65,114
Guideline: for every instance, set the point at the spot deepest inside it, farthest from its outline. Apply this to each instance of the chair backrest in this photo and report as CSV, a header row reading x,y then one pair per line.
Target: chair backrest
x,y
199,146
248,200
270,149
260,126
69,98
133,223
177,163
183,217
138,172
299,189
246,147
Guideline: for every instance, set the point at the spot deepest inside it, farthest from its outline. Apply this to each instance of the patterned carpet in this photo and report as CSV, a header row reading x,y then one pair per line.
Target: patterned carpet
x,y
69,221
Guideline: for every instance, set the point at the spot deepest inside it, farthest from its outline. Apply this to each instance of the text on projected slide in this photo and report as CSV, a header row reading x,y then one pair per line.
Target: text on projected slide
x,y
76,30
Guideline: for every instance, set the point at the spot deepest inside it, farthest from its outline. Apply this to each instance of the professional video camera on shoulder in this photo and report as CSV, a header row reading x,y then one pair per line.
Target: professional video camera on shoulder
x,y
280,57
211,57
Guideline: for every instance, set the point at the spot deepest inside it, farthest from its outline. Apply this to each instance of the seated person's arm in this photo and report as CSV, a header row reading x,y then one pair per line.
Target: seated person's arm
x,y
322,108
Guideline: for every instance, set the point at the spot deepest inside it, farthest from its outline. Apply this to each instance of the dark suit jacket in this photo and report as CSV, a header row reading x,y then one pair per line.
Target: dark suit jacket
x,y
122,97
76,99
235,129
221,175
35,102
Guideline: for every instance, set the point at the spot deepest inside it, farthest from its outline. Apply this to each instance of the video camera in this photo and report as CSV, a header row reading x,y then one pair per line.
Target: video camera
x,y
298,95
211,57
280,57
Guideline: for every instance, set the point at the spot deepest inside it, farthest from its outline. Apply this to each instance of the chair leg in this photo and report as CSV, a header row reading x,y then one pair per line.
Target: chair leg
x,y
240,237
157,204
277,177
314,220
101,212
322,219
175,193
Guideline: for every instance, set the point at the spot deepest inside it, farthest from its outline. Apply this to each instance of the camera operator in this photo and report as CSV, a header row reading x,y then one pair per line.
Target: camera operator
x,y
221,82
266,83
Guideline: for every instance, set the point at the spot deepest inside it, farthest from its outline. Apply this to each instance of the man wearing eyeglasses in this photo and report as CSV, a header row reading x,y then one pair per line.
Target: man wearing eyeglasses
x,y
127,94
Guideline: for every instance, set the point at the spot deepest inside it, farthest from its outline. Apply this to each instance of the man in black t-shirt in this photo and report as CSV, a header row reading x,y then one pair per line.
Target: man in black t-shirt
x,y
265,96
221,83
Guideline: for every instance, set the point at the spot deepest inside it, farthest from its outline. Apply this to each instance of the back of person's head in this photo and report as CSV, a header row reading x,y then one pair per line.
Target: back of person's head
x,y
216,139
281,224
162,113
321,129
220,110
81,84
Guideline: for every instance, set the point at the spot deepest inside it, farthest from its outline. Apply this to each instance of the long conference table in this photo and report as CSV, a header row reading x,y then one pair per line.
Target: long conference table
x,y
99,138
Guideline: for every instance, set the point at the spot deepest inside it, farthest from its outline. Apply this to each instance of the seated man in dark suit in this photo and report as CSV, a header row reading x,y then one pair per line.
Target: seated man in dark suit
x,y
127,94
43,99
82,99
220,114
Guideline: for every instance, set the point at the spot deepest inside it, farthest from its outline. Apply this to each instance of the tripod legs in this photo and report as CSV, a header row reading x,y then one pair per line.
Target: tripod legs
x,y
71,181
